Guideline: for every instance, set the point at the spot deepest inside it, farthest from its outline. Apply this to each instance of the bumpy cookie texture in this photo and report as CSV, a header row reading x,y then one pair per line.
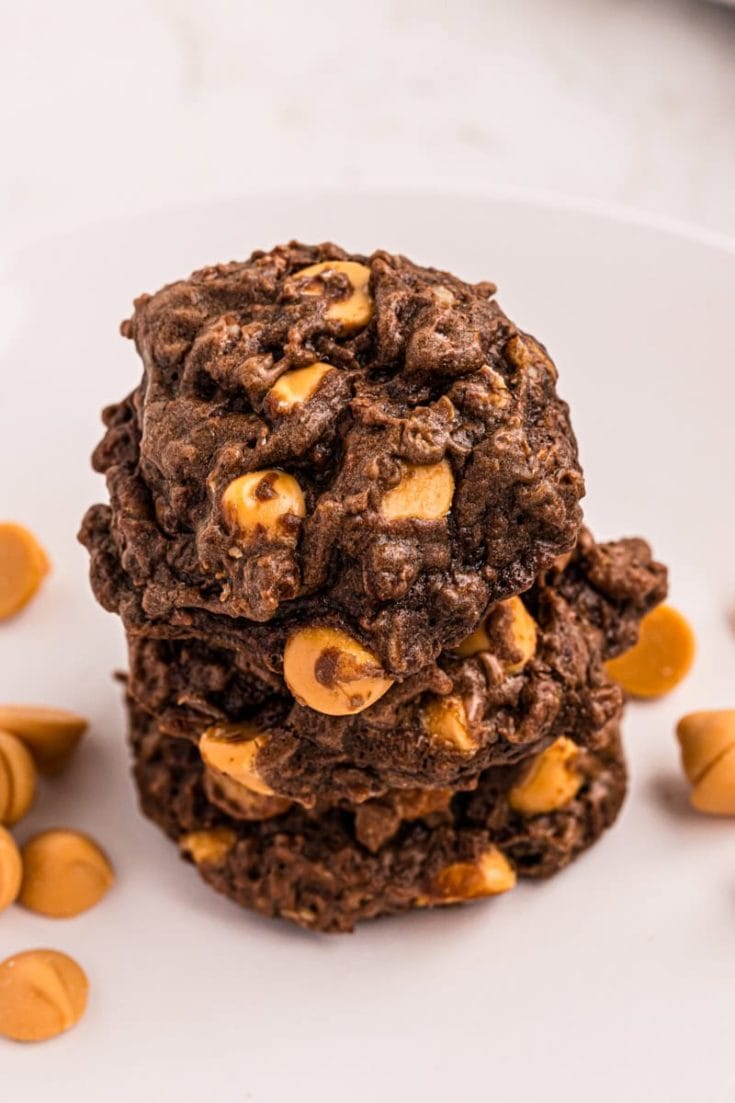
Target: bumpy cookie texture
x,y
519,683
366,443
329,869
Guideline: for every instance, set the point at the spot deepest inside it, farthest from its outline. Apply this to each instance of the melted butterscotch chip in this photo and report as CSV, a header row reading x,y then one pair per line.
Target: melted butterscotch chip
x,y
352,306
424,493
268,502
490,875
232,750
331,672
42,994
294,388
208,847
445,718
551,783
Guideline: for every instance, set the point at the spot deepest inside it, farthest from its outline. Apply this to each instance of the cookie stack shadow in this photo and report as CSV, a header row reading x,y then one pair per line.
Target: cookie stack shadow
x,y
367,629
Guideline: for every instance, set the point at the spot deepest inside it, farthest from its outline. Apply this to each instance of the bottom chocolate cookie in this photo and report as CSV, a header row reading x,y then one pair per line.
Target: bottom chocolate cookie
x,y
330,867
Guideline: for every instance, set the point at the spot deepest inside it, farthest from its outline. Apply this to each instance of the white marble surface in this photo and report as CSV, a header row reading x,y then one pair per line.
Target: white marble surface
x,y
112,107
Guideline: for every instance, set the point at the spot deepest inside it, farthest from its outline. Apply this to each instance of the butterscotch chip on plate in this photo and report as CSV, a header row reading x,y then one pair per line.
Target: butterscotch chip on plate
x,y
23,566
11,869
660,659
51,735
64,873
707,741
42,994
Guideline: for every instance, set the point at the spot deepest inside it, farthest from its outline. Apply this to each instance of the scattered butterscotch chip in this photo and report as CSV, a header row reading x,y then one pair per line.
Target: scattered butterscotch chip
x,y
206,847
662,657
11,869
424,493
296,387
42,994
445,719
270,502
489,875
551,783
331,672
51,735
23,566
17,779
352,310
707,741
64,874
232,750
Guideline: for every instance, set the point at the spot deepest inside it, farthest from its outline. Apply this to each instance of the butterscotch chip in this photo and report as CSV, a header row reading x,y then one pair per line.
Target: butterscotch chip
x,y
207,847
714,793
232,750
661,658
296,387
414,804
23,565
331,672
551,783
475,643
707,741
239,801
11,869
17,779
269,502
445,718
51,735
42,994
353,309
64,874
509,631
424,493
490,875
703,738
523,635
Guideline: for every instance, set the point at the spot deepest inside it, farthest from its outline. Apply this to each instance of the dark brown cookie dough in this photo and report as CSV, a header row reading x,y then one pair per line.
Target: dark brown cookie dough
x,y
441,727
422,469
333,867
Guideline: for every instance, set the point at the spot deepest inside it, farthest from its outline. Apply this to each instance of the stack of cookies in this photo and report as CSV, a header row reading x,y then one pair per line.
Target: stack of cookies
x,y
367,631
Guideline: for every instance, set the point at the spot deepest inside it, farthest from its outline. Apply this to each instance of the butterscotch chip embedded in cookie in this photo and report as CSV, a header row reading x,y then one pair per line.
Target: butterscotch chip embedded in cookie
x,y
331,672
64,873
42,993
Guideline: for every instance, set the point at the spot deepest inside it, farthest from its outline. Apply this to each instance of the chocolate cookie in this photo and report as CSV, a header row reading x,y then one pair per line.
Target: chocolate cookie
x,y
324,438
534,671
329,868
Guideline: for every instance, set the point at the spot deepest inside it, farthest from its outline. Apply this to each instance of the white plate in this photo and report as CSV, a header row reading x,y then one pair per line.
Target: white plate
x,y
614,981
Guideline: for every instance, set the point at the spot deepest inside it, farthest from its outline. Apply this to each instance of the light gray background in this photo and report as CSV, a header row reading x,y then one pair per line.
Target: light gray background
x,y
118,106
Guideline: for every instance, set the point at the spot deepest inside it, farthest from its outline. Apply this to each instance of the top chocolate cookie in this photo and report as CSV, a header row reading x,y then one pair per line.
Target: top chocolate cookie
x,y
359,432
